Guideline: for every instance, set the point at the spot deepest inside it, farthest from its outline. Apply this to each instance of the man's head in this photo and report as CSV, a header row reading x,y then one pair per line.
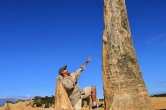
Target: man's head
x,y
63,70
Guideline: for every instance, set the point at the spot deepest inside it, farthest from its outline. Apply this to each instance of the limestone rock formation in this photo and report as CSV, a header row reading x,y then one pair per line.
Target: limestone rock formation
x,y
62,101
124,88
19,105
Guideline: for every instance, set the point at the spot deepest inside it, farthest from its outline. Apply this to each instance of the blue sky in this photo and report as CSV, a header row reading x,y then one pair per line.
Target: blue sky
x,y
39,36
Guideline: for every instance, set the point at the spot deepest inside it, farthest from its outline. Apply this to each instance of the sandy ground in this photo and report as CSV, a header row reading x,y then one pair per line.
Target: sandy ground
x,y
158,102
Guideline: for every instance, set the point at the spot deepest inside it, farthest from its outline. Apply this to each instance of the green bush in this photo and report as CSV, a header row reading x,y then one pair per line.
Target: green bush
x,y
39,101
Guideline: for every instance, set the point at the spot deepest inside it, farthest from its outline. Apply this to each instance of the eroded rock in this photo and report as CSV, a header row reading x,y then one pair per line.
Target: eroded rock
x,y
124,88
62,101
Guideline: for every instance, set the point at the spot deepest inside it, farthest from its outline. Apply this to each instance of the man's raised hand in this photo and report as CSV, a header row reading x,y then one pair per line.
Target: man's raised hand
x,y
88,59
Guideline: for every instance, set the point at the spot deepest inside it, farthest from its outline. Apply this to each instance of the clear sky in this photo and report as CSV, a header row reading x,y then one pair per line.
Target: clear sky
x,y
39,36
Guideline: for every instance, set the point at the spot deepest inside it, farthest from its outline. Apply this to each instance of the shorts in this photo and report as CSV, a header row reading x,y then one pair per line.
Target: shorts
x,y
87,93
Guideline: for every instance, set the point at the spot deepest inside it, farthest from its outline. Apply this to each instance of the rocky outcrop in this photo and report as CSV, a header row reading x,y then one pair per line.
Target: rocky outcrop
x,y
124,88
20,105
62,101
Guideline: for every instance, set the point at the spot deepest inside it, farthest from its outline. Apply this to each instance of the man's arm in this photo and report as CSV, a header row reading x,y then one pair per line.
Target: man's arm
x,y
78,71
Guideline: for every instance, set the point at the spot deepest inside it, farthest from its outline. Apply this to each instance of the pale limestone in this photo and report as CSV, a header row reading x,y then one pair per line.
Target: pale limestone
x,y
62,101
124,88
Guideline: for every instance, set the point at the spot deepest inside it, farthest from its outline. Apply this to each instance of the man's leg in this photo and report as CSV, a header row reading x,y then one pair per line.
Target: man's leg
x,y
93,94
87,92
91,91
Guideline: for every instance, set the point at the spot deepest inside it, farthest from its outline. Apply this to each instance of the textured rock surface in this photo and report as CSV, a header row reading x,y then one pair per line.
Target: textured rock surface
x,y
20,105
62,101
124,88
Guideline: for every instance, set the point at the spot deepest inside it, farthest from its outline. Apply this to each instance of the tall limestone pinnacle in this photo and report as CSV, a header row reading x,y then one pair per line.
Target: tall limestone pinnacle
x,y
124,88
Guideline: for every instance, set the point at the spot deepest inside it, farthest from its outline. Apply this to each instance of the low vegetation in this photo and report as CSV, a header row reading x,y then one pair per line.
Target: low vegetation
x,y
44,102
159,95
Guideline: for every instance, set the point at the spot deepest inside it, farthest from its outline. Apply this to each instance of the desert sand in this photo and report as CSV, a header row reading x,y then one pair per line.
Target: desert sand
x,y
158,103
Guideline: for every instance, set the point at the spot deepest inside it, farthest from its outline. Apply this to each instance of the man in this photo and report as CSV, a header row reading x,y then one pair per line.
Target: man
x,y
69,82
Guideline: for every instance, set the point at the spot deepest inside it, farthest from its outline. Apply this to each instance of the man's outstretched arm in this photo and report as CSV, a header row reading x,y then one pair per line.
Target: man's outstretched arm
x,y
78,71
